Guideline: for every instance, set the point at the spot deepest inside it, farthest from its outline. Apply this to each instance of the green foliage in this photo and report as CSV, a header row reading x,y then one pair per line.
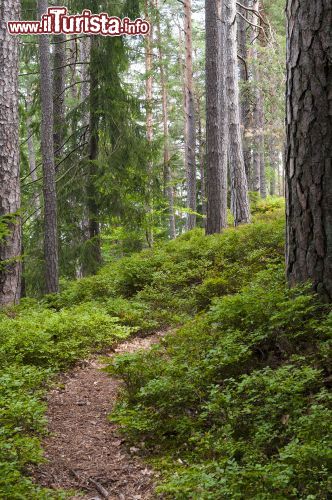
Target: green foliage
x,y
169,284
270,204
35,344
4,231
234,404
5,222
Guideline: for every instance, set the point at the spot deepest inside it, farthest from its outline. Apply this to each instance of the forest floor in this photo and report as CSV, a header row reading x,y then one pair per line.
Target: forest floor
x,y
84,450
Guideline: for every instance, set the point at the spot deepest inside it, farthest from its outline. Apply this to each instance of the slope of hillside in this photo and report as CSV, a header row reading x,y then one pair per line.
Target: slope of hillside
x,y
235,402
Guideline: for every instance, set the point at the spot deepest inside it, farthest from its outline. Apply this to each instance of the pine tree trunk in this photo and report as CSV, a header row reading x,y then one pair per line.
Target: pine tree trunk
x,y
239,187
10,249
149,124
95,258
309,144
85,51
47,147
274,162
245,95
260,128
167,159
73,66
59,83
216,129
32,155
84,95
256,156
190,145
201,147
72,76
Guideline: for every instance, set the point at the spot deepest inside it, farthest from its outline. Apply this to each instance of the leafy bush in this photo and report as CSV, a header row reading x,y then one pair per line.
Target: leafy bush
x,y
237,398
167,285
148,291
35,343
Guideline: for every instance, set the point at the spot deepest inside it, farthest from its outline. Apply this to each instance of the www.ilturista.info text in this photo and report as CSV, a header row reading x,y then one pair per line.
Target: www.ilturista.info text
x,y
57,20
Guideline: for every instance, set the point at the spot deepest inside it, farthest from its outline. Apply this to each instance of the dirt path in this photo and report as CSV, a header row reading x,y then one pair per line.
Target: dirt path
x,y
84,450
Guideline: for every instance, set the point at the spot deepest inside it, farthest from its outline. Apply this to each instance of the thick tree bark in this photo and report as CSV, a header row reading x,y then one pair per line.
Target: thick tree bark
x,y
190,145
239,187
167,160
47,148
10,249
309,144
59,83
216,119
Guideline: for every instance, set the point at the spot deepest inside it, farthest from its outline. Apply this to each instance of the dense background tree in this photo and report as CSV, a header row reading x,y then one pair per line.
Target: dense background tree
x,y
239,185
47,149
190,126
123,196
149,137
216,122
10,246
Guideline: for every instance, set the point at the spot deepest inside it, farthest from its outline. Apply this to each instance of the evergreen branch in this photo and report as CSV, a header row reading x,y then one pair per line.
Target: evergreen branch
x,y
53,69
58,164
70,86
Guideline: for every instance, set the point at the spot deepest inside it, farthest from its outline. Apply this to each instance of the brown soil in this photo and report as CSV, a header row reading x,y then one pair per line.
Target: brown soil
x,y
84,450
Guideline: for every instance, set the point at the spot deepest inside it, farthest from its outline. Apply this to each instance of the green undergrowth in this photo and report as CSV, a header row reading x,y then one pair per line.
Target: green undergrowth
x,y
235,403
167,285
189,400
35,344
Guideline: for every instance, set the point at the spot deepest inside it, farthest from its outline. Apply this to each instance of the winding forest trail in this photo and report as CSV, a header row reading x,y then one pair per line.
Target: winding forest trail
x,y
84,450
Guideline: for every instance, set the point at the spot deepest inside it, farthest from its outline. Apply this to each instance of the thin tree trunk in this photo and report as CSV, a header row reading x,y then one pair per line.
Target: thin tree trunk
x,y
59,83
201,151
84,55
246,118
74,89
85,51
32,155
10,249
239,187
274,163
149,123
256,156
260,126
93,209
261,113
167,160
73,68
190,145
309,144
283,172
184,101
216,129
47,147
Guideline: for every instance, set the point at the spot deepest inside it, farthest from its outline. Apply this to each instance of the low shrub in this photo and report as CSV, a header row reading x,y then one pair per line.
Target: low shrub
x,y
35,343
237,399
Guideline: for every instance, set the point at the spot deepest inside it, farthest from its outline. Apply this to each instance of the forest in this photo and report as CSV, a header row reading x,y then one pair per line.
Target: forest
x,y
166,252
